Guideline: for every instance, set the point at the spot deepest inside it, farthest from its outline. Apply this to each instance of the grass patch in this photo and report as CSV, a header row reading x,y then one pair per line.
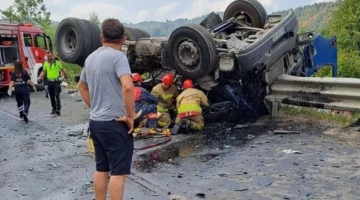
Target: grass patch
x,y
317,114
72,70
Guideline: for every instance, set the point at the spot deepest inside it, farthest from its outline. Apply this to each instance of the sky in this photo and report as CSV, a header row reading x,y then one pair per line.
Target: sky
x,y
134,11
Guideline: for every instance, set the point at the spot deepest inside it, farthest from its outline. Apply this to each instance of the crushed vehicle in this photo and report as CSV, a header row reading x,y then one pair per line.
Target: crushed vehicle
x,y
234,59
27,43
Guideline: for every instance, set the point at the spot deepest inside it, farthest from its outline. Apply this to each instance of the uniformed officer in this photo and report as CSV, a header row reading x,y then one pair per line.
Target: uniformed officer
x,y
166,92
146,102
189,109
20,80
52,69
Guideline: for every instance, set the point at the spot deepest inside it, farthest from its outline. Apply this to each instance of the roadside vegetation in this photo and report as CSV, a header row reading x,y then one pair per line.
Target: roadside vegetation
x,y
340,18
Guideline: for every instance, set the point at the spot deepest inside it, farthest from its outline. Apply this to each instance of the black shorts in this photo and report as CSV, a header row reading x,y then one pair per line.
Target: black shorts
x,y
113,146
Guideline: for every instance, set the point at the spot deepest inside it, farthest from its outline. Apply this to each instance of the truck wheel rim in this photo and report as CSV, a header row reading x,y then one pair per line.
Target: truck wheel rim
x,y
68,41
188,54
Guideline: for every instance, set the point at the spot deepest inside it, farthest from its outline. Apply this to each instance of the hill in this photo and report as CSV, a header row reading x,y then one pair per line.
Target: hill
x,y
311,17
315,16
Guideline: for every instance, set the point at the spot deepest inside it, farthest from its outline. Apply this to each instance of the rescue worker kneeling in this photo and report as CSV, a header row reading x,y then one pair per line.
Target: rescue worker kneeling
x,y
166,93
146,103
189,104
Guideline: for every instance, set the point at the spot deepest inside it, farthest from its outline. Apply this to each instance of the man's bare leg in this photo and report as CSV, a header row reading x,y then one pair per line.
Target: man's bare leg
x,y
116,187
100,183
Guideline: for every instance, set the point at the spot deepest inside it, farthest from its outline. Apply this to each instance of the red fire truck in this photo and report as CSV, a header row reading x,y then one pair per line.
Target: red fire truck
x,y
24,42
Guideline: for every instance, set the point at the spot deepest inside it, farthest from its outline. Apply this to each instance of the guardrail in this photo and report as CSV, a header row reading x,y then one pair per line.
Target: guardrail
x,y
325,93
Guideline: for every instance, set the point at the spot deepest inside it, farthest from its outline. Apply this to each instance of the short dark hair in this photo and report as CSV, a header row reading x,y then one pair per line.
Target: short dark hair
x,y
112,30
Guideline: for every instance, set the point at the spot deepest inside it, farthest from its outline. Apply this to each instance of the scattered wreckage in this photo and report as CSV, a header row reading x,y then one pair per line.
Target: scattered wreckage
x,y
235,60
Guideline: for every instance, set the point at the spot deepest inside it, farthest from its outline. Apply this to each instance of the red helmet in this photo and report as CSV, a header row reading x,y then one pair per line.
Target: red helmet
x,y
136,77
168,79
188,84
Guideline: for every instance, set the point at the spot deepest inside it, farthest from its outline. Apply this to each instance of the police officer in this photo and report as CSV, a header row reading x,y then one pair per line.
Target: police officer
x,y
52,69
20,80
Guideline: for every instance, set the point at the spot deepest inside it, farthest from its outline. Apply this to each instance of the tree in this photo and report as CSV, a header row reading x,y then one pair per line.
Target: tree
x,y
22,11
94,18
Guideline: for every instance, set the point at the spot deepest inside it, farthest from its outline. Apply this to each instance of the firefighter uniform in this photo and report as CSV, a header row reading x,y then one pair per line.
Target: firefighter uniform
x,y
189,109
145,101
166,92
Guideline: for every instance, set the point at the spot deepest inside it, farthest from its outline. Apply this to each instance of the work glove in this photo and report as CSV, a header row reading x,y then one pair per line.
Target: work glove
x,y
9,92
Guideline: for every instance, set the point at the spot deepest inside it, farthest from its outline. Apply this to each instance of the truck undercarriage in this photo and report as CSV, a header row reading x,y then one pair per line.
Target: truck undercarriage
x,y
234,60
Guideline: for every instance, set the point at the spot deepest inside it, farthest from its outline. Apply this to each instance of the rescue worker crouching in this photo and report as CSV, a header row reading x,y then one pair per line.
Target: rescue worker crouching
x,y
166,92
146,103
189,109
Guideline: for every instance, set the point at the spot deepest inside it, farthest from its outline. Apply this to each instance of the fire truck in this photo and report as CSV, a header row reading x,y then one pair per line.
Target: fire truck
x,y
25,42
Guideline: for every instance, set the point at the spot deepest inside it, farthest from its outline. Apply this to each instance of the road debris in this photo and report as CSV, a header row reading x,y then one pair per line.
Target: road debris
x,y
285,132
201,195
289,151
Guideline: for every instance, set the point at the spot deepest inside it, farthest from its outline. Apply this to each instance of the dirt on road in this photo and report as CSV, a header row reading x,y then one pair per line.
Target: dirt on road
x,y
47,159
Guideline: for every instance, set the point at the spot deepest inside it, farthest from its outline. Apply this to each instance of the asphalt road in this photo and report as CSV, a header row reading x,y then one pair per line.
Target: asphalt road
x,y
41,161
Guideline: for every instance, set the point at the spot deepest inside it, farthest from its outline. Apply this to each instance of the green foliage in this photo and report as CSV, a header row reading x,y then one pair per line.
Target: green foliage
x,y
27,11
164,29
72,70
94,18
345,24
313,17
315,114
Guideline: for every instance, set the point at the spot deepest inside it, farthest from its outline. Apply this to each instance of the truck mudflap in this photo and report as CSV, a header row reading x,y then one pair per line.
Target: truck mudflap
x,y
272,45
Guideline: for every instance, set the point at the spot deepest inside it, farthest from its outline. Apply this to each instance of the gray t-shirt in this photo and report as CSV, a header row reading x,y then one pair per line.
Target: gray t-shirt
x,y
101,72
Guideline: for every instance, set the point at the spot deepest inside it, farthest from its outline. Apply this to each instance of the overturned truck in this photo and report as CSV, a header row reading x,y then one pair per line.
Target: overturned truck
x,y
233,59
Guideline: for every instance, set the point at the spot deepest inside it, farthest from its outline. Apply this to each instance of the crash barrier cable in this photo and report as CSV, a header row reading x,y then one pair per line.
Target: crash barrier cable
x,y
324,93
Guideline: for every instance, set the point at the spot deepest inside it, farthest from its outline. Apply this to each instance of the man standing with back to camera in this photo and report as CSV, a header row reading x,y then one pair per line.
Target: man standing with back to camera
x,y
106,87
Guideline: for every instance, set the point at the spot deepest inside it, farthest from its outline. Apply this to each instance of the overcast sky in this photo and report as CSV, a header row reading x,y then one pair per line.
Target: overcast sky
x,y
146,10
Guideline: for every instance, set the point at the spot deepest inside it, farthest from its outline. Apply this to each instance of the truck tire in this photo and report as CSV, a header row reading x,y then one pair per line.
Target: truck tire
x,y
192,51
95,34
211,21
134,34
73,40
253,9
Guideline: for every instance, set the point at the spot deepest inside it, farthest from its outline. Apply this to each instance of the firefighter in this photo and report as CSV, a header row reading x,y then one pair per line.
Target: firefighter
x,y
20,80
52,69
189,109
166,92
145,102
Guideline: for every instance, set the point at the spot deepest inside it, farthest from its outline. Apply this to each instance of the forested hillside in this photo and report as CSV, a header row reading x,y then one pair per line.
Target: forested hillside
x,y
311,17
157,29
315,16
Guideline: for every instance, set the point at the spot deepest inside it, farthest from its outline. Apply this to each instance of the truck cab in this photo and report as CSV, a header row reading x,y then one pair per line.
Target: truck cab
x,y
22,42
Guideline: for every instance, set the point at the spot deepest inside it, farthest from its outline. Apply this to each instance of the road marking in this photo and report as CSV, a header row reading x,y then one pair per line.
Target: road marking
x,y
10,115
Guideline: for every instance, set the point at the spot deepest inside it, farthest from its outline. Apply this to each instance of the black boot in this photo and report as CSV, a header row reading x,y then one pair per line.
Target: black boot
x,y
182,125
355,124
26,119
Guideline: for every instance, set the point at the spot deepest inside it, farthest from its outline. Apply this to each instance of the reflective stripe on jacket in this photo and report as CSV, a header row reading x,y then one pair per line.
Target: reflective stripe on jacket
x,y
165,97
189,102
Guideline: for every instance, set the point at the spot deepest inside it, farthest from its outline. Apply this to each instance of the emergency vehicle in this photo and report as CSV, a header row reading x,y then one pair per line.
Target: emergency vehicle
x,y
25,42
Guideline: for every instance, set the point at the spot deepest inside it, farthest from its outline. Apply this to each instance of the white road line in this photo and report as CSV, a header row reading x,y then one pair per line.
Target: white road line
x,y
10,115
